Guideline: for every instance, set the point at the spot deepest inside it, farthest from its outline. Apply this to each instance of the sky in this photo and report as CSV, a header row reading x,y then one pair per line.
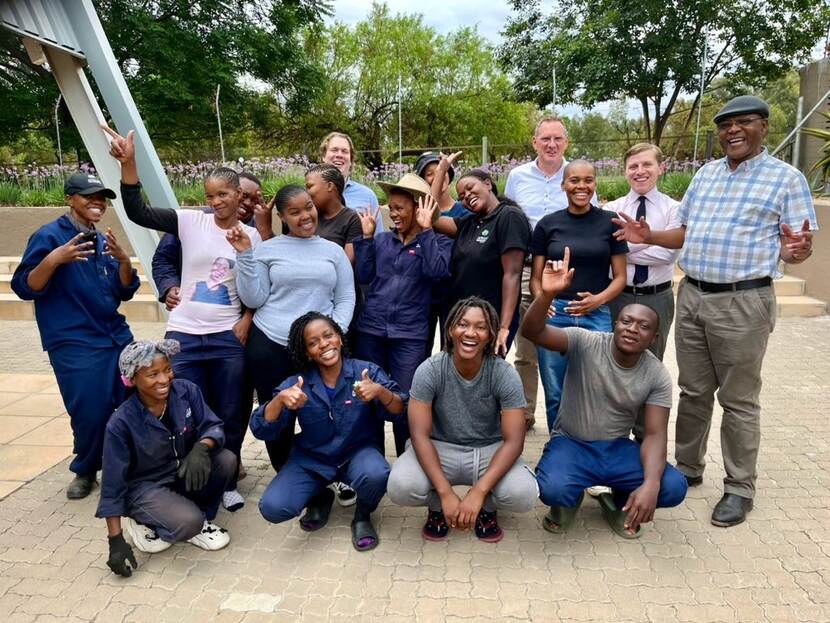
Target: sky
x,y
489,16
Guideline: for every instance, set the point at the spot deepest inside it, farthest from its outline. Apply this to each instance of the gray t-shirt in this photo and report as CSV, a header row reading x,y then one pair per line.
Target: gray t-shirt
x,y
467,413
600,398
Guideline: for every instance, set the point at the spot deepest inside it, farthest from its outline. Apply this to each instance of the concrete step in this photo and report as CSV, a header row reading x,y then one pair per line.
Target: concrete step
x,y
9,263
6,284
800,307
142,308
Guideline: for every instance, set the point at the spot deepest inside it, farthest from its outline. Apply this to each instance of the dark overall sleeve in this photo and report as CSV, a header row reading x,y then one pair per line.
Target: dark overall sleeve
x,y
167,265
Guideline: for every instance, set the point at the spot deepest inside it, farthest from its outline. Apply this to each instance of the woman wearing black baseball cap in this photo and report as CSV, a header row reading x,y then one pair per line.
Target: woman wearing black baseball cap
x,y
77,278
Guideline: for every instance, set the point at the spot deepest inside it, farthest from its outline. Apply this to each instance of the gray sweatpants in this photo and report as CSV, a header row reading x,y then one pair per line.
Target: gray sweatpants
x,y
408,485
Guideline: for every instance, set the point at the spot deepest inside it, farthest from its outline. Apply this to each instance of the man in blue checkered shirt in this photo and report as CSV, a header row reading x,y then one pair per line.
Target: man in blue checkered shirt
x,y
739,217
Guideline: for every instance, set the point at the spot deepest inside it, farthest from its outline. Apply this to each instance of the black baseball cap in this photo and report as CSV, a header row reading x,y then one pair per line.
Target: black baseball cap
x,y
86,184
426,159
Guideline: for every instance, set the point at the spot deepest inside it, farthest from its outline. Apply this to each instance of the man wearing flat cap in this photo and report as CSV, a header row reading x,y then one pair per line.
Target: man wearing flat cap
x,y
740,216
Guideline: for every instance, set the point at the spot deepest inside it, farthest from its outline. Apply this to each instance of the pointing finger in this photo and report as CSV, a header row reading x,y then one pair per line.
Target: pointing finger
x,y
365,375
299,382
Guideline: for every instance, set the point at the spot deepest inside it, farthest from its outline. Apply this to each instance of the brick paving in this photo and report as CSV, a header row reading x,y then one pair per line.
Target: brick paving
x,y
774,568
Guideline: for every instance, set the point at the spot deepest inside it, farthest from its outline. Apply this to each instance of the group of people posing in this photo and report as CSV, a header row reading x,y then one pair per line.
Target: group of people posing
x,y
331,325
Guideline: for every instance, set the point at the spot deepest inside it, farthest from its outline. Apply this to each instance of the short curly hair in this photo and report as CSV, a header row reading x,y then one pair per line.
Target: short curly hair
x,y
296,338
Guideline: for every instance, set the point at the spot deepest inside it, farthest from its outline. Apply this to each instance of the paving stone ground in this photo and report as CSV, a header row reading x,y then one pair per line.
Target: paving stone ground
x,y
774,568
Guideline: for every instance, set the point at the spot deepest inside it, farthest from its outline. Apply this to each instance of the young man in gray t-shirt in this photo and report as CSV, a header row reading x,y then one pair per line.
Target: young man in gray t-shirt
x,y
467,427
611,376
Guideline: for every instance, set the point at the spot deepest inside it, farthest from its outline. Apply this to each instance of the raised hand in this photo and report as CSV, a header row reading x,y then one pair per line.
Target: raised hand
x,y
113,249
294,397
366,389
631,230
557,275
447,161
427,212
368,221
73,251
798,245
238,238
121,148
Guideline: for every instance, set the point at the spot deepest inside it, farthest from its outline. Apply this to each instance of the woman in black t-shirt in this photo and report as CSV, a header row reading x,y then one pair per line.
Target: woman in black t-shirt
x,y
489,252
588,231
336,223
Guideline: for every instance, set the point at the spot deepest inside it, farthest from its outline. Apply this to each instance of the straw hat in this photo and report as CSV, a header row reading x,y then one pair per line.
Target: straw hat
x,y
409,183
412,185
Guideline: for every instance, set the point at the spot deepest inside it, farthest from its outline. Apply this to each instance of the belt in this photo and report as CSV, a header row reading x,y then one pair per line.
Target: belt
x,y
749,284
640,290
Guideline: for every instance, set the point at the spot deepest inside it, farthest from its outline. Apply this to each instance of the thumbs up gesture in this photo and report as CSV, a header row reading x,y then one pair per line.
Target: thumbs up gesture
x,y
366,389
294,397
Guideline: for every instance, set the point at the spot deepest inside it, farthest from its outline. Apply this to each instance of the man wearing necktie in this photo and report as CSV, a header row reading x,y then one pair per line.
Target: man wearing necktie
x,y
650,267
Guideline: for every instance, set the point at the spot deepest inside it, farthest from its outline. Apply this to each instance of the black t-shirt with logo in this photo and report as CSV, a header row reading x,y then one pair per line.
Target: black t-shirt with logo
x,y
479,245
590,237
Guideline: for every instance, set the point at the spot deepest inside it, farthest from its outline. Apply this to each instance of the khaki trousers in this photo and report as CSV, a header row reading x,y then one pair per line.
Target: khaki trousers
x,y
721,339
526,362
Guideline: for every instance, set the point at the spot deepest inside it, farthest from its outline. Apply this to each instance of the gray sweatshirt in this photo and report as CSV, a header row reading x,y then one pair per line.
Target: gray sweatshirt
x,y
285,277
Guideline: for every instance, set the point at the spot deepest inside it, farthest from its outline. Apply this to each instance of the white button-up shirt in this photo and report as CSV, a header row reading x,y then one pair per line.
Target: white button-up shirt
x,y
661,213
537,193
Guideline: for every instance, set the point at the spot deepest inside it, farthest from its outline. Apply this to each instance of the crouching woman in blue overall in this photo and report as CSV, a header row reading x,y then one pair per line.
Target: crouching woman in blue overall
x,y
337,404
77,277
164,466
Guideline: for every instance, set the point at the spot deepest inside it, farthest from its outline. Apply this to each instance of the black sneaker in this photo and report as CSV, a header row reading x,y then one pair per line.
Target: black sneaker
x,y
80,487
436,527
488,528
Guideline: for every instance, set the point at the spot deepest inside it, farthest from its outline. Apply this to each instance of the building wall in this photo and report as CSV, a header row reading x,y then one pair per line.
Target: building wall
x,y
815,82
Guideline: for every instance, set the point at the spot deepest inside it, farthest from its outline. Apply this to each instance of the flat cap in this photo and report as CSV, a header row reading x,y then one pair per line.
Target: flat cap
x,y
743,105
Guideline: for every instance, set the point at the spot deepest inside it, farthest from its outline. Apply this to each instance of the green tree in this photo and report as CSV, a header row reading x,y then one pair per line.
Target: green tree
x,y
650,50
173,54
452,90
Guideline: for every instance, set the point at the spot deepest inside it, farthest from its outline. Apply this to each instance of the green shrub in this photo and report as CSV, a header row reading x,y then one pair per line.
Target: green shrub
x,y
675,184
37,197
10,194
610,188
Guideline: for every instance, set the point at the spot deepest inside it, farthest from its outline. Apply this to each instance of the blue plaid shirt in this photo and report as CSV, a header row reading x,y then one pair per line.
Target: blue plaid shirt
x,y
733,218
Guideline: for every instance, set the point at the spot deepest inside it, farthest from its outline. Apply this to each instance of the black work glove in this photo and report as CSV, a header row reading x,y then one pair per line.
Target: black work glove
x,y
120,554
195,469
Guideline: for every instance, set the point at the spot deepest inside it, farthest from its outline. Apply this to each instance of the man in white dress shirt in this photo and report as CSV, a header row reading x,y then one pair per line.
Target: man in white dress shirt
x,y
650,267
537,187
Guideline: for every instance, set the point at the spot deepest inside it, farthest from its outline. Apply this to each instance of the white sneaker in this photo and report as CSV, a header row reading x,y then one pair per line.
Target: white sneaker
x,y
211,538
346,496
597,491
232,501
144,537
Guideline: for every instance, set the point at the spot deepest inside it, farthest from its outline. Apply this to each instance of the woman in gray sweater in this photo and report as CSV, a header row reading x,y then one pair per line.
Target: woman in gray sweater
x,y
293,274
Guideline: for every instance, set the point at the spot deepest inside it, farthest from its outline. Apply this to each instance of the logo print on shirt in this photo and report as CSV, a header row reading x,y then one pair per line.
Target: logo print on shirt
x,y
482,237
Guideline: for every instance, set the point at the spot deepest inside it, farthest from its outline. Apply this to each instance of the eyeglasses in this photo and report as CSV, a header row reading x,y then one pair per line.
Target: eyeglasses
x,y
741,122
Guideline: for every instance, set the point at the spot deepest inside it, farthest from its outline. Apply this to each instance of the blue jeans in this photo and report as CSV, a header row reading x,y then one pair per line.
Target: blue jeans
x,y
553,365
568,466
215,362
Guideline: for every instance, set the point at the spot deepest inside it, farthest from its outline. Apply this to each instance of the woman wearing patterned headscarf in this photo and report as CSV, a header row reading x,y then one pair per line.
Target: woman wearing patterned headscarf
x,y
164,465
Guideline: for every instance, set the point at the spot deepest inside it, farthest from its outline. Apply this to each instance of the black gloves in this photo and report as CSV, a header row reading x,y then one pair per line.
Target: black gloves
x,y
120,554
195,469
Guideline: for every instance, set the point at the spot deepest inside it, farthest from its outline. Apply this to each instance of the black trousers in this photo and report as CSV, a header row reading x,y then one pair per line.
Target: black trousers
x,y
269,364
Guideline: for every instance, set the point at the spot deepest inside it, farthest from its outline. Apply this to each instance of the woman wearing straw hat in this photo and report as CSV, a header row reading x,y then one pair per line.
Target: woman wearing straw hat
x,y
398,270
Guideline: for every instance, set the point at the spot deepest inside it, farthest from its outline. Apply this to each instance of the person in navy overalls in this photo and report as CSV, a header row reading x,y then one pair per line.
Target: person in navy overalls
x,y
164,465
77,278
337,402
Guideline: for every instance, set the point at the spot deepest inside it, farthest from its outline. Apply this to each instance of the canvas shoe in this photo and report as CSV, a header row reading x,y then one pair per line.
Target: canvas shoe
x,y
211,538
232,501
145,538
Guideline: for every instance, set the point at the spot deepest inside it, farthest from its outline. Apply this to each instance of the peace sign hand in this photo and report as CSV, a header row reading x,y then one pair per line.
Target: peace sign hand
x,y
238,239
368,221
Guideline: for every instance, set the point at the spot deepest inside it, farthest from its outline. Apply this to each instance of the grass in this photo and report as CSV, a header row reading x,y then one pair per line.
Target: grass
x,y
50,193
